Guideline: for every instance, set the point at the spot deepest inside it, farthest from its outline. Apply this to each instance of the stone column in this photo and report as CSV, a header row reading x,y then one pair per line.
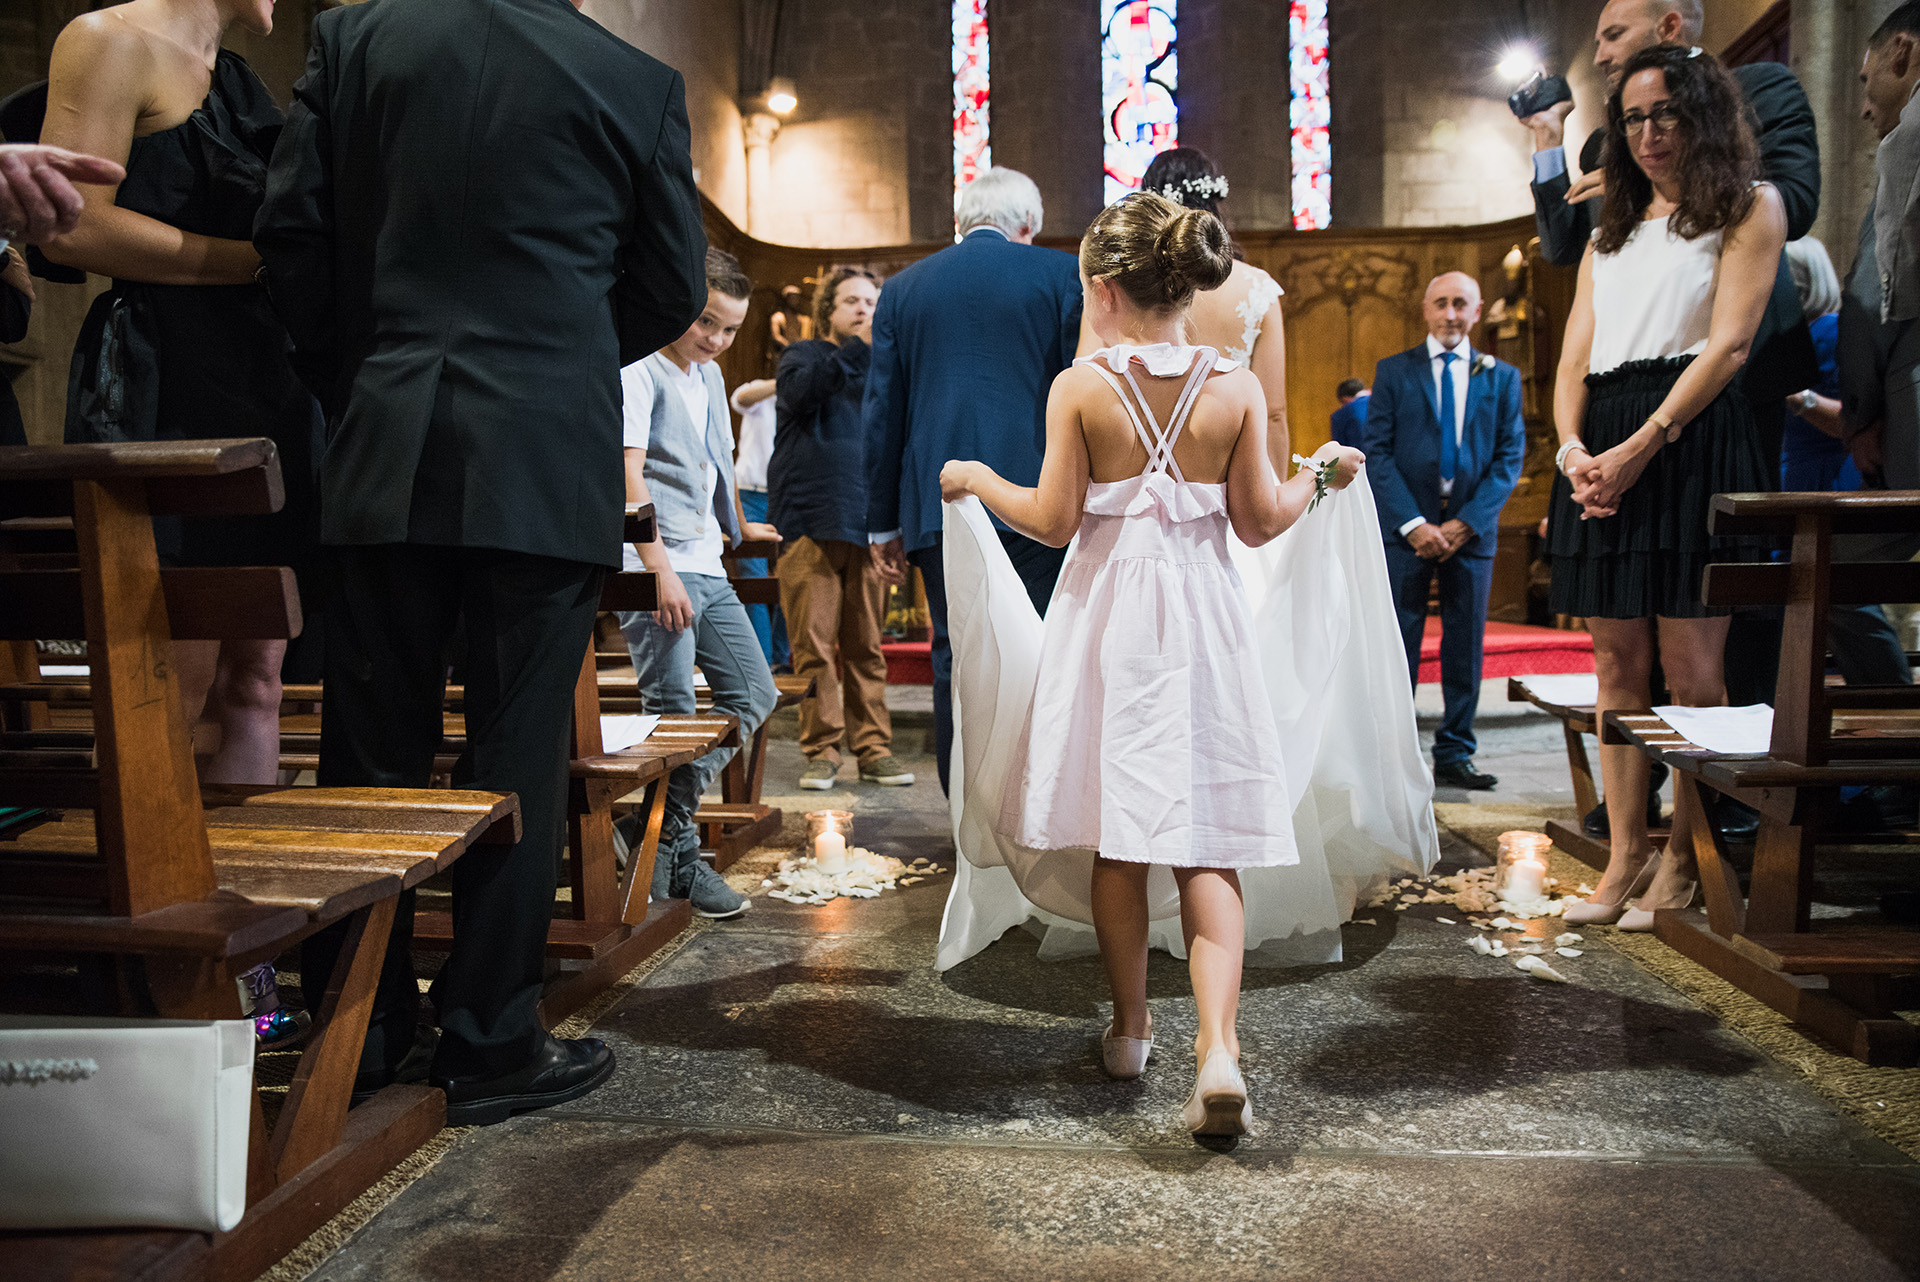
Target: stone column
x,y
1235,99
761,128
1829,41
1046,104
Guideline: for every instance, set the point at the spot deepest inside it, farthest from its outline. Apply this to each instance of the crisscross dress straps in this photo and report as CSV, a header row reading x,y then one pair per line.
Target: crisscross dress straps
x,y
1160,441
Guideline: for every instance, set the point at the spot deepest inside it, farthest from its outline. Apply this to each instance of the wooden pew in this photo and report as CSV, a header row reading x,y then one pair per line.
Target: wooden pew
x,y
180,890
1835,980
739,821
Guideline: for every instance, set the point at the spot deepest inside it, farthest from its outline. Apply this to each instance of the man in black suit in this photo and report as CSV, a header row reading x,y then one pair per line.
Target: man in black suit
x,y
467,238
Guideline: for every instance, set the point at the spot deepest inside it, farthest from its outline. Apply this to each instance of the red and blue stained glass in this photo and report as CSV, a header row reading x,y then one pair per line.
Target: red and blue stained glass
x,y
1312,115
972,150
1139,76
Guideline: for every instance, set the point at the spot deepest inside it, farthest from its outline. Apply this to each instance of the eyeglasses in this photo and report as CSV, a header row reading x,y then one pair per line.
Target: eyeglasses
x,y
1664,117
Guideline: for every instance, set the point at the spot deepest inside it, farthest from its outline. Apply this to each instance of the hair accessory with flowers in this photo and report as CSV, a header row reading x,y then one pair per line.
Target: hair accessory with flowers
x,y
1214,188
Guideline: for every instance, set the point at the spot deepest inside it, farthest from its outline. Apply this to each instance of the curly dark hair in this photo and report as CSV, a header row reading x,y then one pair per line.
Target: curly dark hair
x,y
1720,160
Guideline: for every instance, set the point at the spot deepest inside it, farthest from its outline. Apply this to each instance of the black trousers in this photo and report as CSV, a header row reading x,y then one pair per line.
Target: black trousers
x,y
523,624
1038,567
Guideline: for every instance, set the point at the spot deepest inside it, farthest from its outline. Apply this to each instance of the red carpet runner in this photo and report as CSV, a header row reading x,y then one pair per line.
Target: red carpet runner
x,y
1512,650
1515,650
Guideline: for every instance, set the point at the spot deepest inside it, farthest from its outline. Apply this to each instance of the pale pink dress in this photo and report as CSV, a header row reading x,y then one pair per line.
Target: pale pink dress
x,y
1152,738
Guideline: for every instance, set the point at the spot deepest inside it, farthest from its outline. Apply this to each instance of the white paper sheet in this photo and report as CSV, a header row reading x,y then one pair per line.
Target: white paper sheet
x,y
1568,689
1744,731
617,732
64,669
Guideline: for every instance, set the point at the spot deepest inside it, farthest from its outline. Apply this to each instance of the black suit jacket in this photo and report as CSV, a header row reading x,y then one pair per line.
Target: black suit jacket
x,y
478,212
1782,360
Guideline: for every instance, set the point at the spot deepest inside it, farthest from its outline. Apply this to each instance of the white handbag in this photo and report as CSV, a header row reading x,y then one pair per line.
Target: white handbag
x,y
123,1123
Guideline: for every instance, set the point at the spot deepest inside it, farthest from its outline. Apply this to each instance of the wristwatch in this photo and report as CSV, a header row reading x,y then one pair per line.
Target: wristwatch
x,y
1806,401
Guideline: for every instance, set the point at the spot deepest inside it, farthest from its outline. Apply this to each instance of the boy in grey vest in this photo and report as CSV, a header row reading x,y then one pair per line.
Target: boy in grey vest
x,y
679,457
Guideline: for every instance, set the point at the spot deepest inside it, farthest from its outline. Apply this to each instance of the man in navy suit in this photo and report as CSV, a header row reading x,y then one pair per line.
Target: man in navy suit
x,y
1349,423
966,344
1444,445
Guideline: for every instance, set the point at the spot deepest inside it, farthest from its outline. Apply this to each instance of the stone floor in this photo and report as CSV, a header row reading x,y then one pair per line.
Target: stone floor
x,y
800,1095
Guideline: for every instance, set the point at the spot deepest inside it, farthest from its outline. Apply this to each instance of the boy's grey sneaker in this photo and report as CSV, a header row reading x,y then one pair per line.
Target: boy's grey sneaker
x,y
819,775
712,897
885,770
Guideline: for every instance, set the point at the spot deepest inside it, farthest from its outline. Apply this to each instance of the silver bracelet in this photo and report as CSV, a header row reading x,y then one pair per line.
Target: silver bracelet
x,y
1560,459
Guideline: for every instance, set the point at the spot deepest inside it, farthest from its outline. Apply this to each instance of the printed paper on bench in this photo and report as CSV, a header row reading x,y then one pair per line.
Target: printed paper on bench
x,y
620,732
1741,732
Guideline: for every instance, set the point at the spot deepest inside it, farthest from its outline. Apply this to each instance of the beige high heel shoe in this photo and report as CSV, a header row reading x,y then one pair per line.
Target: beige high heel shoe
x,y
1124,1057
1219,1104
1639,918
1589,912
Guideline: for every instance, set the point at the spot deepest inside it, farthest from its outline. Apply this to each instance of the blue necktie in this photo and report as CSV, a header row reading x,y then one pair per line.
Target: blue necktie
x,y
1449,447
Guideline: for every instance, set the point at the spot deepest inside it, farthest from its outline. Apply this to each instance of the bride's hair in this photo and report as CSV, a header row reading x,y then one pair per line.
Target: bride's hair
x,y
1158,253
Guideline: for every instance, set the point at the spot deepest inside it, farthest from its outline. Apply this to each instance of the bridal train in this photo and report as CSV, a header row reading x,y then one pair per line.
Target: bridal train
x,y
1337,679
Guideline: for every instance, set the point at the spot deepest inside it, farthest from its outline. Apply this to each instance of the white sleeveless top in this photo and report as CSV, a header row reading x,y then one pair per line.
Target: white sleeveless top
x,y
1654,298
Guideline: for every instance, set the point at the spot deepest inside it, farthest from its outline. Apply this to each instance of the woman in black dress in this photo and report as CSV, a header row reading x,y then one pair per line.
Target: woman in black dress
x,y
1671,292
185,345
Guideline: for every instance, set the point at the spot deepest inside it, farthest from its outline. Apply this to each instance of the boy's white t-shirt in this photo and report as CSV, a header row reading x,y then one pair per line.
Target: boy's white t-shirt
x,y
697,556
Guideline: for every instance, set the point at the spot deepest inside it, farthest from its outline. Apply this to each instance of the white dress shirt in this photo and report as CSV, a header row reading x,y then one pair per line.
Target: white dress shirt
x,y
1462,369
701,555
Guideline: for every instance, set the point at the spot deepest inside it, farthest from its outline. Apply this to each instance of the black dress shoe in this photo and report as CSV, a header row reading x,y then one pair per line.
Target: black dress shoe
x,y
1737,823
1461,774
562,1071
1595,824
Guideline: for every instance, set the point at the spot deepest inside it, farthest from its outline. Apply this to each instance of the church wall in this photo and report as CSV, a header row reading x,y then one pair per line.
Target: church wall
x,y
869,149
702,42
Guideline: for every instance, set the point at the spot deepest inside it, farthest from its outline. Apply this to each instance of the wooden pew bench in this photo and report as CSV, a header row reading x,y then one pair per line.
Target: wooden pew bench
x,y
1836,978
177,889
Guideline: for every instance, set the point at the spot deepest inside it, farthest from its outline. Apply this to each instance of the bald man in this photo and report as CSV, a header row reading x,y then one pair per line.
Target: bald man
x,y
1444,443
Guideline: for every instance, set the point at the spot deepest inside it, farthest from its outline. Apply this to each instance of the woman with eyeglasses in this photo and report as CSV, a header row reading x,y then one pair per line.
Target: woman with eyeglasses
x,y
1671,291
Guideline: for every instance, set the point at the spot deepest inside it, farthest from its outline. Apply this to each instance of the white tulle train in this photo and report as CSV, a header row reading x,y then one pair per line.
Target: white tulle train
x,y
1337,678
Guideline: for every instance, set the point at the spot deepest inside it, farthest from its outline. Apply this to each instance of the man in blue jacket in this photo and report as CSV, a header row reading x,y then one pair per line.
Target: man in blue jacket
x,y
966,344
1348,424
1444,444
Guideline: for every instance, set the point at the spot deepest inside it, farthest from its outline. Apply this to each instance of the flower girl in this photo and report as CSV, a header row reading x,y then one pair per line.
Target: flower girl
x,y
1151,739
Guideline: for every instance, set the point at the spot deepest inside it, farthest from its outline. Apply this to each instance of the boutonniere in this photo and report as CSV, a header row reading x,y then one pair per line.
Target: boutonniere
x,y
1481,364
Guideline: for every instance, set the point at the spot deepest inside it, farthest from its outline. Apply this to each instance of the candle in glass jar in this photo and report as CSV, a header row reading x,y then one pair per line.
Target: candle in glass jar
x,y
1526,879
830,852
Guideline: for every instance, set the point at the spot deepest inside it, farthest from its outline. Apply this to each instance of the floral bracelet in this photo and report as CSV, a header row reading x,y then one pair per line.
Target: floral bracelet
x,y
1323,474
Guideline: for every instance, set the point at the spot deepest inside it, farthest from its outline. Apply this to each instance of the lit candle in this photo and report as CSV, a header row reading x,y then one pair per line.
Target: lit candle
x,y
1526,879
830,852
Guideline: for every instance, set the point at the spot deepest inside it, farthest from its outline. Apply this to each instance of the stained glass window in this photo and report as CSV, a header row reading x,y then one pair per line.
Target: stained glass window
x,y
1139,77
1312,115
972,152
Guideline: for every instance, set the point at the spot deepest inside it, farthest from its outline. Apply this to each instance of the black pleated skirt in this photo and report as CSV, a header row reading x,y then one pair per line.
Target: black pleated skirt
x,y
1647,559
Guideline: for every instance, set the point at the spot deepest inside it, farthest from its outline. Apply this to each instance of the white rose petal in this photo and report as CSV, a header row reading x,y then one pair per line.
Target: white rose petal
x,y
1447,921
1570,952
1540,970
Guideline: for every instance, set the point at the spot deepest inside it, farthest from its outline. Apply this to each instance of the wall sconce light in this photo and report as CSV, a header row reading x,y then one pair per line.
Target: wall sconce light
x,y
781,98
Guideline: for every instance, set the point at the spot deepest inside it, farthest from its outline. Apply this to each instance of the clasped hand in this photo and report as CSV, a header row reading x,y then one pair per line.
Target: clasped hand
x,y
1600,480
